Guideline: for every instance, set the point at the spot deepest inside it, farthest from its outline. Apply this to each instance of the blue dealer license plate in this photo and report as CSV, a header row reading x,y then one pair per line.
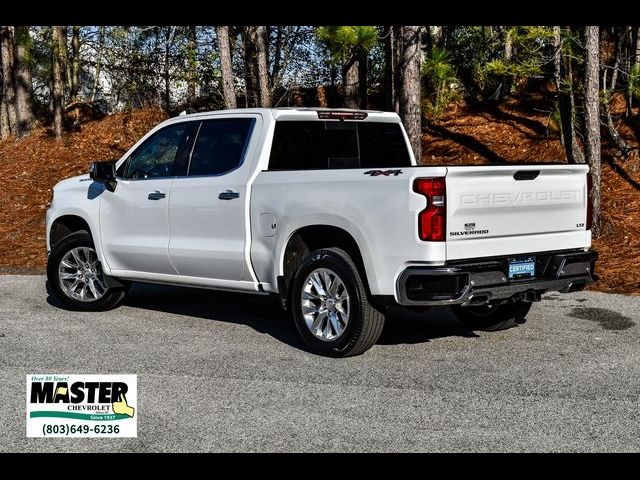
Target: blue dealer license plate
x,y
522,268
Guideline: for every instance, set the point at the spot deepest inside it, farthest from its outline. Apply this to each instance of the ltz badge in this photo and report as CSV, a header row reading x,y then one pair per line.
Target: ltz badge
x,y
82,405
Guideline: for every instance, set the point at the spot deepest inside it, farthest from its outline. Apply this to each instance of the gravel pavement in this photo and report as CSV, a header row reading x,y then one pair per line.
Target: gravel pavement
x,y
227,372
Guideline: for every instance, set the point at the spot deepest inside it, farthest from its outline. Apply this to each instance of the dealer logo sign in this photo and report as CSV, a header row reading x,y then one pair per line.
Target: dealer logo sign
x,y
82,405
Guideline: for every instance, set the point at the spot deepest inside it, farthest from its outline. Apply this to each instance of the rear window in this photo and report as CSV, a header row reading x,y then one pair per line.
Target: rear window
x,y
314,145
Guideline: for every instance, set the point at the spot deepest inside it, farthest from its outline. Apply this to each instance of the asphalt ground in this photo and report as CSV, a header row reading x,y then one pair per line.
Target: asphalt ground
x,y
227,372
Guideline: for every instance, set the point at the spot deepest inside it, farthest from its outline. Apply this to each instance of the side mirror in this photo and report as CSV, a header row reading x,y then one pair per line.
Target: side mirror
x,y
104,172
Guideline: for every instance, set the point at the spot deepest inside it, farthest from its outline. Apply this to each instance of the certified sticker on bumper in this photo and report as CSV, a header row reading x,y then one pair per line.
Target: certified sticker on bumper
x,y
82,405
522,268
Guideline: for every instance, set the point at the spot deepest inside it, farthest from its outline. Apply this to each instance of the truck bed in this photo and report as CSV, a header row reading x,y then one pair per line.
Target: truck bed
x,y
490,211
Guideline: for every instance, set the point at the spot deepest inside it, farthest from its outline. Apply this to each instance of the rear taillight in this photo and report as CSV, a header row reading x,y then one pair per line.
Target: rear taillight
x,y
589,202
432,220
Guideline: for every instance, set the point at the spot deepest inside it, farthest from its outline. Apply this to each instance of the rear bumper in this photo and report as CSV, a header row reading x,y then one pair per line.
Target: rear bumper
x,y
482,281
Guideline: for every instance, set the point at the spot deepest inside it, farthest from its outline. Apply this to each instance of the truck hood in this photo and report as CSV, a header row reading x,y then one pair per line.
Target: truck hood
x,y
71,183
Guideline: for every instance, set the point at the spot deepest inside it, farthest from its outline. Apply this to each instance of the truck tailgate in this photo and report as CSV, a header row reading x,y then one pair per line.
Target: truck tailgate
x,y
498,210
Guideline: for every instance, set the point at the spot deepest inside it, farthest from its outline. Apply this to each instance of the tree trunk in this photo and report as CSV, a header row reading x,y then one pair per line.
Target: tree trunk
x,y
428,40
636,46
262,67
557,69
277,56
389,64
397,53
249,40
363,72
96,80
350,76
635,60
167,69
409,68
617,139
447,31
5,130
66,65
58,39
7,55
192,64
508,54
22,76
75,63
566,105
224,51
592,117
557,57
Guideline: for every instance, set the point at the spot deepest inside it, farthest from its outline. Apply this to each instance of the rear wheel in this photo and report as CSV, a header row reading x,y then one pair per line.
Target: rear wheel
x,y
330,306
76,278
492,318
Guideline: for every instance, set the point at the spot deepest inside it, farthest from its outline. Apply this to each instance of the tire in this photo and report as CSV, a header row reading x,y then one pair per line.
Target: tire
x,y
342,335
96,298
492,318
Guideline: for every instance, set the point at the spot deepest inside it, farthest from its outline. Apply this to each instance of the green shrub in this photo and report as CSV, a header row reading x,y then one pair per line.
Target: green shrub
x,y
441,83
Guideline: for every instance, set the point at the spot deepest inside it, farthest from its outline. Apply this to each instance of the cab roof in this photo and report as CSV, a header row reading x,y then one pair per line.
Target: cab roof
x,y
305,113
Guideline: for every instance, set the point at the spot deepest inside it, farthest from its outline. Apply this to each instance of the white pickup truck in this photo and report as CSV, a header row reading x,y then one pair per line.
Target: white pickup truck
x,y
328,210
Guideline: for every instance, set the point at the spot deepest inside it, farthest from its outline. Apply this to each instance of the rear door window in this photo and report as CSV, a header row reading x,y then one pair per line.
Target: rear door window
x,y
298,146
220,146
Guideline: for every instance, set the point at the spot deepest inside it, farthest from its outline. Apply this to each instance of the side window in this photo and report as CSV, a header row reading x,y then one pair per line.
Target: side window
x,y
298,146
122,169
156,157
220,146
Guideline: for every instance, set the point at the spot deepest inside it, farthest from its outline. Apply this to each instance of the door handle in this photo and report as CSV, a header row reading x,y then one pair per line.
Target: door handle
x,y
228,195
157,195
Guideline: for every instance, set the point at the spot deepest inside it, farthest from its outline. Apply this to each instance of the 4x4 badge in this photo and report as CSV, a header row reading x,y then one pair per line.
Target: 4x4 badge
x,y
385,173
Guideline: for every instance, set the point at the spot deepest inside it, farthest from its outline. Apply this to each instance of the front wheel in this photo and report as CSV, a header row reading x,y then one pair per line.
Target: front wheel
x,y
76,278
330,305
492,318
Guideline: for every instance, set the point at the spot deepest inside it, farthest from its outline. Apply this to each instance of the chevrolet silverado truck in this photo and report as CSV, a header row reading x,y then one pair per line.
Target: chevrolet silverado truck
x,y
327,209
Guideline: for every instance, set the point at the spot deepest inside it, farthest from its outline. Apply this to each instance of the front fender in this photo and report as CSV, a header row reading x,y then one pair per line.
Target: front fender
x,y
79,198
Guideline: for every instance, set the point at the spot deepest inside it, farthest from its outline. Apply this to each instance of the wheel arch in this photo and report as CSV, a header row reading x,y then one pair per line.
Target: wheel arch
x,y
72,221
65,225
304,240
